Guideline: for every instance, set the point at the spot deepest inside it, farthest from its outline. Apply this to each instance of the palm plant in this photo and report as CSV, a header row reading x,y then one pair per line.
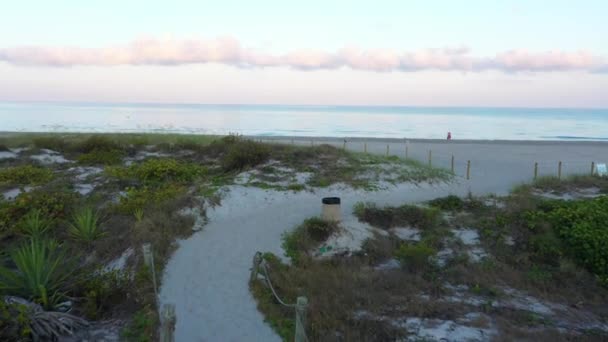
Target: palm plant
x,y
40,272
34,225
85,225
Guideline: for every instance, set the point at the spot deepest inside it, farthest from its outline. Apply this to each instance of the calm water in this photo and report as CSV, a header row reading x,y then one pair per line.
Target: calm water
x,y
343,121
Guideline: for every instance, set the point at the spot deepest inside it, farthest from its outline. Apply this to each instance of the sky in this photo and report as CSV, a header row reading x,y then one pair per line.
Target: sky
x,y
420,53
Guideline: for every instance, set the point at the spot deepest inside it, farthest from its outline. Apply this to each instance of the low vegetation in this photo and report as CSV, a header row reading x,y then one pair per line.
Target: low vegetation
x,y
550,251
80,251
25,175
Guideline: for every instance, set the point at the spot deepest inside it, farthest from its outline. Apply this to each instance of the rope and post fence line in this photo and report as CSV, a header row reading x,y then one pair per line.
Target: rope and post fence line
x,y
301,305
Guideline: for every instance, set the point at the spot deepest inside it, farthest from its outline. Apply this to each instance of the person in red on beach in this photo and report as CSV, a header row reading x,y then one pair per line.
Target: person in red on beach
x,y
449,135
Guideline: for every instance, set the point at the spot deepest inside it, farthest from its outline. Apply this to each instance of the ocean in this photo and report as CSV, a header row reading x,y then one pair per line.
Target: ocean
x,y
288,120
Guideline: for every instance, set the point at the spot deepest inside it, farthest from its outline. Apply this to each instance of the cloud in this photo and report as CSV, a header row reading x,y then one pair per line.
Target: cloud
x,y
227,50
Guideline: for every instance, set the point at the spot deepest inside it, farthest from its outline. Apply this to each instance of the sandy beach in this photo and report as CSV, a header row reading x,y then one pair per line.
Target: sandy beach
x,y
496,165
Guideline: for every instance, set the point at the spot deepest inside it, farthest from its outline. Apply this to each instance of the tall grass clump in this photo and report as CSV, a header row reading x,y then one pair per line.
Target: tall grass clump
x,y
85,226
40,273
34,224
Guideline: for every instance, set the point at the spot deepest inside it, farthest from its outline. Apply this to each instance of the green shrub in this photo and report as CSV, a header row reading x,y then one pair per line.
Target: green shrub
x,y
103,291
306,236
318,229
415,257
97,143
51,143
141,328
25,175
405,215
581,227
52,205
34,224
451,202
157,171
85,226
101,157
244,154
41,273
141,198
3,148
14,322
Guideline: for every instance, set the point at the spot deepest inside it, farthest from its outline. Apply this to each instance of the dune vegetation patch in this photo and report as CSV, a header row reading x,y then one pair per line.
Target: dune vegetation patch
x,y
516,267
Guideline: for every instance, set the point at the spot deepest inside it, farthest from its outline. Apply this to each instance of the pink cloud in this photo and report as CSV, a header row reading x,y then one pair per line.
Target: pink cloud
x,y
227,50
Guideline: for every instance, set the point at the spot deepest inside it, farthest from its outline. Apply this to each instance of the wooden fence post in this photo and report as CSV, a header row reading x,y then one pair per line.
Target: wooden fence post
x,y
344,145
452,164
430,158
387,150
301,307
559,170
168,321
592,168
365,147
468,169
149,262
257,259
535,170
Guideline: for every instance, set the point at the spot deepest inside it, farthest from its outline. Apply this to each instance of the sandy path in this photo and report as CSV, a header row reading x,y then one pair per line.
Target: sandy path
x,y
207,276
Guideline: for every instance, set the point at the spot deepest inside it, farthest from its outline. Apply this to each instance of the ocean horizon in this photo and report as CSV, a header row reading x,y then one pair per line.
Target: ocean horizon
x,y
467,123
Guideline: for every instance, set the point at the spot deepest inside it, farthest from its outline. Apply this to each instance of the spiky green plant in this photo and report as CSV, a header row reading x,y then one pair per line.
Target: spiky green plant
x,y
41,272
139,214
34,224
85,225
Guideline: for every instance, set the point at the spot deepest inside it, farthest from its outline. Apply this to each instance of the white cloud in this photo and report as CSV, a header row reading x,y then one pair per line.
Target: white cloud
x,y
229,51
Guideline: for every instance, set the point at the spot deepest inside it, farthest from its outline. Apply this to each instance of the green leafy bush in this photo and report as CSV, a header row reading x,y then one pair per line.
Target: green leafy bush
x,y
104,290
41,273
450,202
306,236
85,226
25,175
97,143
142,326
52,205
581,227
14,322
405,215
101,157
51,143
157,171
415,257
243,154
140,198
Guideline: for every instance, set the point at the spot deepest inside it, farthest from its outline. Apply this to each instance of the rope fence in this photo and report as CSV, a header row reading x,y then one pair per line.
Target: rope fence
x,y
301,305
465,168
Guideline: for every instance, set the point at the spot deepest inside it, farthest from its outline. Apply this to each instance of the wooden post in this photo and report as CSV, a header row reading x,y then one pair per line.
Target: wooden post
x,y
344,145
559,170
149,262
167,320
257,259
430,158
387,150
468,169
592,168
301,307
535,170
365,147
452,164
